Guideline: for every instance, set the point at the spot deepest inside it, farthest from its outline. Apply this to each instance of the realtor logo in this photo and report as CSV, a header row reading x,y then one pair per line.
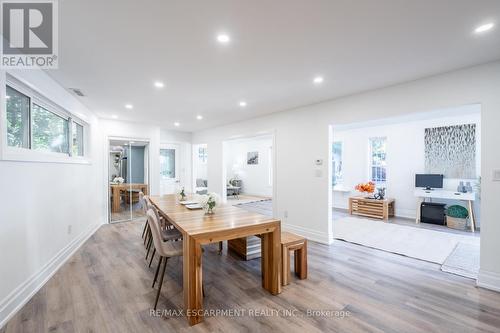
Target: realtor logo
x,y
29,30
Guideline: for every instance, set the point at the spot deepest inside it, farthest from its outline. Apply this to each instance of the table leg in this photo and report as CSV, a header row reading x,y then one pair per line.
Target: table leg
x,y
419,203
472,217
115,205
271,260
301,262
192,280
285,265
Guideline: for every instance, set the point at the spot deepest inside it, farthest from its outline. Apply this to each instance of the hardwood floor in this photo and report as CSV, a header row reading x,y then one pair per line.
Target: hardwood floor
x,y
106,287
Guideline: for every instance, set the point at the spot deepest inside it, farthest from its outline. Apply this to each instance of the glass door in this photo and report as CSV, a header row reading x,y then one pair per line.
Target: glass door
x,y
128,175
169,169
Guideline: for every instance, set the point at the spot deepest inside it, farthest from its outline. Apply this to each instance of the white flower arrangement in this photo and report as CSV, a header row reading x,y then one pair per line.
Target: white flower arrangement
x,y
209,202
118,180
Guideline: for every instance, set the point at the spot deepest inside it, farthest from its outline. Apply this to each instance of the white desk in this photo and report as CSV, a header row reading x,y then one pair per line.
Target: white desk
x,y
422,194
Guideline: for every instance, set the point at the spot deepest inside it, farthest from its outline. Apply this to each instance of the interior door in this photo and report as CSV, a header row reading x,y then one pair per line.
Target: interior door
x,y
169,168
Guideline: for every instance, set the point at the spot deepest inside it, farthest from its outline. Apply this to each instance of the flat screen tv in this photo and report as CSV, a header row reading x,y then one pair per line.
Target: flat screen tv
x,y
429,181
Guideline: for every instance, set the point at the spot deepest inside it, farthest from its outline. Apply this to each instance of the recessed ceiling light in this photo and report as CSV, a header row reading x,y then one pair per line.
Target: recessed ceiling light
x,y
223,38
177,124
129,106
199,117
243,104
7,96
159,84
114,116
318,80
484,28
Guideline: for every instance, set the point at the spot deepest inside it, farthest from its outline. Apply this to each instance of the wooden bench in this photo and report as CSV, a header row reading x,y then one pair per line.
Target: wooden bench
x,y
298,244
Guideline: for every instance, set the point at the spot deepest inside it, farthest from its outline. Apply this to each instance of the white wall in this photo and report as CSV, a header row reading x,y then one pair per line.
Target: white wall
x,y
405,153
302,136
255,178
46,209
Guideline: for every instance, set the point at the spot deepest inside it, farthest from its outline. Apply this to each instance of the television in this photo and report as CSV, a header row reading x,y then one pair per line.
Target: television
x,y
429,181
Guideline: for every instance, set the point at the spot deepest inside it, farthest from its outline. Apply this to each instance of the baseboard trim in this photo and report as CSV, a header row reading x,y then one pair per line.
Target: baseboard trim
x,y
310,234
11,304
488,280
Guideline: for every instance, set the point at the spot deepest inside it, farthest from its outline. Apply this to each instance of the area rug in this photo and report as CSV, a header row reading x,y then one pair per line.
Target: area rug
x,y
264,207
463,261
423,244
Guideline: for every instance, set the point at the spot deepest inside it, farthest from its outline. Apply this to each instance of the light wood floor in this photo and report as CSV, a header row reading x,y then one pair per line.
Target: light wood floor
x,y
106,287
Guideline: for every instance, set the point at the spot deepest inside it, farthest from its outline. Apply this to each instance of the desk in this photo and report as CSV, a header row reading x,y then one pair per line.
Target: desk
x,y
117,188
227,223
469,198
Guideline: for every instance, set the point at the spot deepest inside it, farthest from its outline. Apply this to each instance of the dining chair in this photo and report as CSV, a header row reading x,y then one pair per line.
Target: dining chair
x,y
144,208
167,234
166,250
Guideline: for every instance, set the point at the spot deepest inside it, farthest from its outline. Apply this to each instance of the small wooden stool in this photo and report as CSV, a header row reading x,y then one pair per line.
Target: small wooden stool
x,y
298,244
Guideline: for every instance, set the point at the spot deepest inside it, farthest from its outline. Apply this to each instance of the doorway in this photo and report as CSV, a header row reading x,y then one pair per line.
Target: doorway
x,y
127,176
378,196
169,168
248,173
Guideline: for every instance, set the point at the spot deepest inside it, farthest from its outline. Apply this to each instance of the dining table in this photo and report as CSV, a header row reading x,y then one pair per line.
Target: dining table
x,y
226,223
117,188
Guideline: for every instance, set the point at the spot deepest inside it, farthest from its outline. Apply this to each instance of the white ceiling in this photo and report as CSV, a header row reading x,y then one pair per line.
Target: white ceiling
x,y
114,50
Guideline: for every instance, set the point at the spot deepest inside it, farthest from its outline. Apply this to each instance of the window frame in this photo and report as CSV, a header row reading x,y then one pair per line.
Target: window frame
x,y
32,155
370,160
341,182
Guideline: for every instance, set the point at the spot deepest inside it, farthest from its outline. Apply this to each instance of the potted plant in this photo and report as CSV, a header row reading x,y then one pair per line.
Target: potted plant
x,y
182,194
209,202
365,188
456,217
118,180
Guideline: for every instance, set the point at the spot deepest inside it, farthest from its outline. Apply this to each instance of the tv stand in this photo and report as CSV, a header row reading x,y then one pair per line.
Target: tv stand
x,y
469,197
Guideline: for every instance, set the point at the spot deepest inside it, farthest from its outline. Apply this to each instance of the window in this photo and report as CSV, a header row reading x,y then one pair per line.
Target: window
x,y
18,113
167,163
337,163
50,131
35,123
378,165
77,131
202,154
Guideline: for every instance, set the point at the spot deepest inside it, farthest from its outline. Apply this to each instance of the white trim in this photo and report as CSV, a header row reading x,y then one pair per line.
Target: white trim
x,y
310,234
24,292
488,280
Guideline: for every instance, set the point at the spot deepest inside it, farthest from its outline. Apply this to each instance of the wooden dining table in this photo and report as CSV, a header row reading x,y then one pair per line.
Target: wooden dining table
x,y
228,222
116,189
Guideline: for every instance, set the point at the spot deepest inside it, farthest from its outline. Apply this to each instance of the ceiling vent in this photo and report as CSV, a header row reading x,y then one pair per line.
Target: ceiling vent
x,y
77,91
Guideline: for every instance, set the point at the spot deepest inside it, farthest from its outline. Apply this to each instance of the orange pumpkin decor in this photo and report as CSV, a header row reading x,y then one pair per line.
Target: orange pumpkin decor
x,y
365,187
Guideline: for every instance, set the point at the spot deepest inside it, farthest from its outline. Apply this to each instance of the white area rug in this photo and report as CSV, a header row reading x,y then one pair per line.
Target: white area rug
x,y
423,244
464,260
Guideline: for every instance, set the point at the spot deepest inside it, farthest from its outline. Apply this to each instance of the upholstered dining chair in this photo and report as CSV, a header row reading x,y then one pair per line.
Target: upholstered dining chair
x,y
144,207
167,234
166,250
